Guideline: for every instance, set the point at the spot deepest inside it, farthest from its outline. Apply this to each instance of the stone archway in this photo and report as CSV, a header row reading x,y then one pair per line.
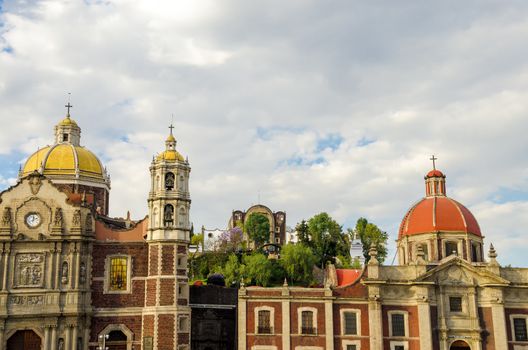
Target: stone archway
x,y
24,340
460,345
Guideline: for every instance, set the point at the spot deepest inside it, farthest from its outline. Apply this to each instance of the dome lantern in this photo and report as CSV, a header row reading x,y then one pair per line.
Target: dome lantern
x,y
435,182
67,131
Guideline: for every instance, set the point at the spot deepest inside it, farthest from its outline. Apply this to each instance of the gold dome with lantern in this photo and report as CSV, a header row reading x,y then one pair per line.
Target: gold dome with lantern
x,y
170,154
67,163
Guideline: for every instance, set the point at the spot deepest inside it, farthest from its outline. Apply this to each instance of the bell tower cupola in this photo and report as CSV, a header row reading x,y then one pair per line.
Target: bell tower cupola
x,y
67,131
435,182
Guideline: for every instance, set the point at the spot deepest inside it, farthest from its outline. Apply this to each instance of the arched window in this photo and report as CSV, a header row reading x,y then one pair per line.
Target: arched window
x,y
168,215
451,248
169,181
182,182
182,217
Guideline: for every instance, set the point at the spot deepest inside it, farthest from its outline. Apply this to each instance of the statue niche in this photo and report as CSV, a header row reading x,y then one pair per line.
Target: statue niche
x,y
168,215
57,219
169,181
6,217
76,218
64,273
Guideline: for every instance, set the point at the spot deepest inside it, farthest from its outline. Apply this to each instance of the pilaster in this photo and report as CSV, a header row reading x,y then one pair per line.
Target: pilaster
x,y
424,320
375,319
242,321
329,319
499,322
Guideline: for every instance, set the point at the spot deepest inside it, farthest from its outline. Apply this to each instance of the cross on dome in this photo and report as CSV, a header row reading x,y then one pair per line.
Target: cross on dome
x,y
433,158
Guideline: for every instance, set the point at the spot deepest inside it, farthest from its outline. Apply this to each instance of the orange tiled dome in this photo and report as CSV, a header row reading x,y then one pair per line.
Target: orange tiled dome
x,y
437,212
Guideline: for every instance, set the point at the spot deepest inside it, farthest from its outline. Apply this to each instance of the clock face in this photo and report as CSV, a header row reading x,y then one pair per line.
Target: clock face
x,y
33,220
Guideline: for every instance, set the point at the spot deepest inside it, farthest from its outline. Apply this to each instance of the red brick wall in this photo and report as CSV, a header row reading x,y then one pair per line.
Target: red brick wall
x,y
183,338
264,340
412,326
148,325
151,293
182,249
434,326
167,291
509,312
167,260
153,260
131,322
138,252
486,322
134,299
166,326
250,316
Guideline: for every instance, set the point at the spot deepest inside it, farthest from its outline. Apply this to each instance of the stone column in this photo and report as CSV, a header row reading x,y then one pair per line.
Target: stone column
x,y
58,266
242,314
329,322
286,336
375,322
46,338
5,253
67,337
53,338
75,268
74,337
424,321
499,322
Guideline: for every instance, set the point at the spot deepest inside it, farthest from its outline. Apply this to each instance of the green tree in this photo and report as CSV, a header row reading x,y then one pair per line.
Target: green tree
x,y
298,261
325,237
258,269
370,233
232,270
257,227
197,240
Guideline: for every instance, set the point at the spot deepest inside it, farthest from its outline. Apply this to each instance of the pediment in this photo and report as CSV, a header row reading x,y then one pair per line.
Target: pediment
x,y
458,272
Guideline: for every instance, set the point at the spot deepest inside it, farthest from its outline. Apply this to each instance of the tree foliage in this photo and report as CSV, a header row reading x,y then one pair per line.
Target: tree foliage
x,y
370,233
257,269
257,227
324,236
298,261
231,240
232,271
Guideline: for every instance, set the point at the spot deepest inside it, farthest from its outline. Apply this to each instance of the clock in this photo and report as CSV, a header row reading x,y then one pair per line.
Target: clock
x,y
33,220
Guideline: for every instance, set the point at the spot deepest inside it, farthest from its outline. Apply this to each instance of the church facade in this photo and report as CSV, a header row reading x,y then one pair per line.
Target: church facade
x,y
73,278
443,294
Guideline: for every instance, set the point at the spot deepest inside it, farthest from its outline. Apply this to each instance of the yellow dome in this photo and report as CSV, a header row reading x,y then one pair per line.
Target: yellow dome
x,y
65,159
170,156
171,138
67,121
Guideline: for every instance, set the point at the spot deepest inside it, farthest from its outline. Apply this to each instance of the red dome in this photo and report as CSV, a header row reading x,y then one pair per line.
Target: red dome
x,y
438,213
435,173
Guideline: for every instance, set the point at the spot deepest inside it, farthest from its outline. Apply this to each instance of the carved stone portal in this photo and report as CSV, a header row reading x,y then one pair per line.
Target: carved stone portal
x,y
29,270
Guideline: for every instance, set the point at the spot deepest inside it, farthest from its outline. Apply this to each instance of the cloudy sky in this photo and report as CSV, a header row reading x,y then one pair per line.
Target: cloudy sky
x,y
329,106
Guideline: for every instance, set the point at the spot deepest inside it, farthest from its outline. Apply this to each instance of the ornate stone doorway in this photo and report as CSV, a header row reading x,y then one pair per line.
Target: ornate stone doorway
x,y
460,345
24,340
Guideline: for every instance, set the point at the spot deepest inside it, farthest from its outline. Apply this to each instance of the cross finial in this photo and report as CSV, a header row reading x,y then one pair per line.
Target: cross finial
x,y
69,104
433,158
171,127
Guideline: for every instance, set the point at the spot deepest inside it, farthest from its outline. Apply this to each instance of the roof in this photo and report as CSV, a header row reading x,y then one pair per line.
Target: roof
x,y
435,173
438,213
347,276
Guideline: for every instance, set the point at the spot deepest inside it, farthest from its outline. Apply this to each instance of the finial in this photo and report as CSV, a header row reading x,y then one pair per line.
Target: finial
x,y
285,284
492,254
420,255
171,127
373,253
68,106
433,158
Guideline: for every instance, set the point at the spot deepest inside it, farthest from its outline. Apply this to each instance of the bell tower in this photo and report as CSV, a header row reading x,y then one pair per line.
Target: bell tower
x,y
166,319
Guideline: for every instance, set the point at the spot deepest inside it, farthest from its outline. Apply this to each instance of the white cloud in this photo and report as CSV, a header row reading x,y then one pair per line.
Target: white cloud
x,y
255,88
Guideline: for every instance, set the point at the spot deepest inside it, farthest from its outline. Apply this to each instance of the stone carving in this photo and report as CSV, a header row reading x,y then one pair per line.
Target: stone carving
x,y
76,218
6,217
30,270
82,273
17,300
64,273
169,213
20,237
35,300
455,276
35,184
89,222
61,344
57,220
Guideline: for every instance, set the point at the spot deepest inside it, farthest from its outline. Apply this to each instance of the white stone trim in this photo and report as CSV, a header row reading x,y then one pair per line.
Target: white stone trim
x,y
271,309
299,320
119,327
300,347
106,284
358,321
405,323
357,343
263,347
394,344
512,316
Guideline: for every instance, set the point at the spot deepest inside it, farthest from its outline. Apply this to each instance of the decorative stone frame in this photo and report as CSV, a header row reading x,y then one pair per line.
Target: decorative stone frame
x,y
357,343
271,309
405,324
302,347
185,318
358,321
460,246
394,344
107,268
512,316
119,327
299,320
464,303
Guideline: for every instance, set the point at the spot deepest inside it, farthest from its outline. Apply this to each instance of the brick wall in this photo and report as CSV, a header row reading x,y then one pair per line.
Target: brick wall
x,y
486,322
167,260
138,252
153,260
413,329
166,324
136,298
151,293
167,291
134,323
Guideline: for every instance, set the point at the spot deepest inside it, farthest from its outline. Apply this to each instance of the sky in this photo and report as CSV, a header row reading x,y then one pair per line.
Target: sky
x,y
311,106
